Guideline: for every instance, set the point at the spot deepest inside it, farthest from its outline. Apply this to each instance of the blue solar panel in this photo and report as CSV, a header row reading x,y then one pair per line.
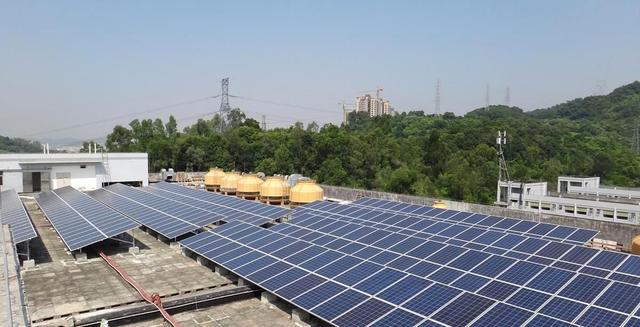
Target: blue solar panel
x,y
521,272
584,288
300,286
601,318
417,287
232,208
498,290
398,317
163,223
550,280
431,299
470,282
528,299
563,309
80,220
404,289
503,315
364,314
379,281
463,310
13,213
317,295
620,297
338,305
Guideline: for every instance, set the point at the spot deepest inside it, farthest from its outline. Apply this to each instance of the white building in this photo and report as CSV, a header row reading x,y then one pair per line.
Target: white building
x,y
374,106
31,172
582,197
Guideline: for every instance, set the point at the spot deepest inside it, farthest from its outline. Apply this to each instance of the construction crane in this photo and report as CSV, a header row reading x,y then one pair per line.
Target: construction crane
x,y
378,91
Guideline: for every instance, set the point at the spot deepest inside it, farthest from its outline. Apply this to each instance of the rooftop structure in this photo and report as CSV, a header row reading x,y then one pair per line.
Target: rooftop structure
x,y
371,262
34,172
582,197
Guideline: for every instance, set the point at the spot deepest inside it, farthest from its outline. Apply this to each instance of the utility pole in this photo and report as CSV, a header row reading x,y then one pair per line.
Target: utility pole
x,y
264,122
224,102
437,109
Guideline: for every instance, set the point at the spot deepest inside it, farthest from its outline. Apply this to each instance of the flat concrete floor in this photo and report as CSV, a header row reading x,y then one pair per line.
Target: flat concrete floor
x,y
242,313
60,286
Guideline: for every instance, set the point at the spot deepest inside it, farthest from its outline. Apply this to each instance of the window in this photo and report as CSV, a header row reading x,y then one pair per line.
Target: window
x,y
83,166
576,184
1,178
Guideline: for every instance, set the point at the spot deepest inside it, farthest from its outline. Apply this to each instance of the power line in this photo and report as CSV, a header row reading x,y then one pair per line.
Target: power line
x,y
283,104
95,122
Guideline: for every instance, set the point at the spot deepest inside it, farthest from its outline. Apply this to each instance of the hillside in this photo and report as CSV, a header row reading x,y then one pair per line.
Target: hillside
x,y
445,156
18,145
621,104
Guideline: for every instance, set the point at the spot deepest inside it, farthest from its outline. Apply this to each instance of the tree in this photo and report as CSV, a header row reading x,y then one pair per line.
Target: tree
x,y
120,139
172,127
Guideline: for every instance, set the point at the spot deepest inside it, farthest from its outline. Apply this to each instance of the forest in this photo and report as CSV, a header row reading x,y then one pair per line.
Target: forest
x,y
18,145
446,156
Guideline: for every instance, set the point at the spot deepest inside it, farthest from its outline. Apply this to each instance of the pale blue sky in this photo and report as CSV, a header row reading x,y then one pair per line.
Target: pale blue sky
x,y
67,62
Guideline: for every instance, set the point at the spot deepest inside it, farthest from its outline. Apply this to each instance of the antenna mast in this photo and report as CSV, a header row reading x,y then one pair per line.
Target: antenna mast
x,y
501,140
437,111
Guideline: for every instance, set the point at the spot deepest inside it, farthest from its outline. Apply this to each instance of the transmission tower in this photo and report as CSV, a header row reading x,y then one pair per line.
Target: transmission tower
x,y
487,97
224,96
264,122
437,111
507,97
224,103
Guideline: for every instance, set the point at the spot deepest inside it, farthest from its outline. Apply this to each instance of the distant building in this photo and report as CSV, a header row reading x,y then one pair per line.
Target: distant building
x,y
35,172
374,106
363,103
576,197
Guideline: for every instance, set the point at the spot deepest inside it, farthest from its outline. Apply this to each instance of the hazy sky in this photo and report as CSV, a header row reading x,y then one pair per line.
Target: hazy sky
x,y
69,62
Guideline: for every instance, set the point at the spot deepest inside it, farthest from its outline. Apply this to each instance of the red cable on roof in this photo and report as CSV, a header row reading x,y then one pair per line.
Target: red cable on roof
x,y
153,298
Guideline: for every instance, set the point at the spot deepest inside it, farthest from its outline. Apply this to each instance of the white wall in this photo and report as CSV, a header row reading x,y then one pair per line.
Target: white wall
x,y
11,179
128,169
81,178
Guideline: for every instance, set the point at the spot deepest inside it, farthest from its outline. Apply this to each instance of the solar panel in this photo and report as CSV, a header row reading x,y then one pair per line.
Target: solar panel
x,y
232,208
561,233
79,219
545,252
13,213
165,224
363,274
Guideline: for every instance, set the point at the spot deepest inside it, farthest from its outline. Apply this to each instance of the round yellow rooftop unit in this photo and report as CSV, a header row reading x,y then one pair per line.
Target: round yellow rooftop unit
x,y
635,245
275,190
439,204
305,191
229,183
213,179
249,187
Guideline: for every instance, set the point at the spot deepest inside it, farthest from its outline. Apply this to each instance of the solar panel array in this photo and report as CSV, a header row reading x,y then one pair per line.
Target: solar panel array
x,y
168,217
79,219
351,272
508,225
231,207
12,213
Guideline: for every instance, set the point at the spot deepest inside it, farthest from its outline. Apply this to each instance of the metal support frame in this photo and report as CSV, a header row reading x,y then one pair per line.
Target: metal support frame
x,y
132,242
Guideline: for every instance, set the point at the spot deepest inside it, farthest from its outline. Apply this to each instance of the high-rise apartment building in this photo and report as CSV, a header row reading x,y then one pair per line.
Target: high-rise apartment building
x,y
374,106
